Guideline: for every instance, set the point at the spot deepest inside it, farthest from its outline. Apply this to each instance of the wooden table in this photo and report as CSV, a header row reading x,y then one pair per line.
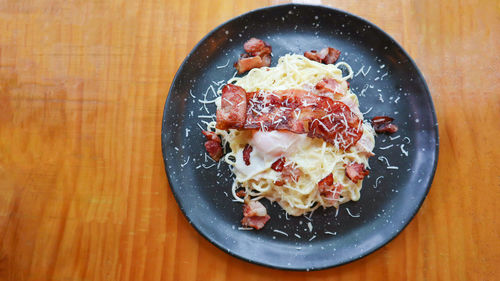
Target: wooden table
x,y
83,192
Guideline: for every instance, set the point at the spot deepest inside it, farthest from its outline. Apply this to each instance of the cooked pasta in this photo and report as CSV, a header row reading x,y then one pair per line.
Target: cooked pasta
x,y
314,157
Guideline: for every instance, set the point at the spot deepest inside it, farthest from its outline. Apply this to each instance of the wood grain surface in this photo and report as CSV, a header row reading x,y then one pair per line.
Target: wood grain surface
x,y
83,192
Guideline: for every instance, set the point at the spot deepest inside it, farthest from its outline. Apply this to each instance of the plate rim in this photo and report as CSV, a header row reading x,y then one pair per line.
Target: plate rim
x,y
349,260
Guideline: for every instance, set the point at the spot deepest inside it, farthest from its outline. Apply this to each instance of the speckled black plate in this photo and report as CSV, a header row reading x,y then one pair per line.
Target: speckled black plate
x,y
387,82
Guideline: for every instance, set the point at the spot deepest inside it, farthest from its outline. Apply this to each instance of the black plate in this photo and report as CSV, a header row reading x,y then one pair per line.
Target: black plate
x,y
392,86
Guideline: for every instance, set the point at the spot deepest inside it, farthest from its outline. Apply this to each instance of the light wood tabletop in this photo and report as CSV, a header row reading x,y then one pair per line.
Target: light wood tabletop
x,y
83,191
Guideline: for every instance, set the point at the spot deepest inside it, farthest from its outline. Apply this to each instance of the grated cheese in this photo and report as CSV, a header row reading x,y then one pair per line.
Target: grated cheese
x,y
280,232
386,147
349,212
223,66
405,152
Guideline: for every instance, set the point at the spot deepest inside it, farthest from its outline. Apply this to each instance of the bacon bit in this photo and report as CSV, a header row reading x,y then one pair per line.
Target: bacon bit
x,y
279,183
329,190
255,222
291,173
245,64
332,56
257,47
246,154
332,86
258,54
254,215
382,124
254,208
278,164
356,171
288,172
213,145
326,55
312,55
241,193
214,149
211,136
232,112
325,183
266,60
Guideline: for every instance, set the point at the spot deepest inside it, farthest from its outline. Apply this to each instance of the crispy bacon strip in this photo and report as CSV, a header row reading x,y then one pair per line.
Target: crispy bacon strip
x,y
246,154
255,222
214,149
232,112
288,172
330,85
278,164
254,215
329,190
312,55
247,63
257,47
213,145
294,110
383,124
258,54
211,136
326,55
241,193
356,171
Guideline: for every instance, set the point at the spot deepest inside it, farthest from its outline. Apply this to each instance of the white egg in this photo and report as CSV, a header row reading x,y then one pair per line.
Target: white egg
x,y
267,148
275,144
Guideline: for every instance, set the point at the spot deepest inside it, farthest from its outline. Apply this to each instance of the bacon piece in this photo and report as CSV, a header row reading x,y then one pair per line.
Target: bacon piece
x,y
330,85
325,183
312,55
356,171
241,193
211,136
266,60
214,149
383,124
213,145
331,57
300,112
254,208
329,190
278,164
258,54
254,215
245,64
326,55
288,172
232,112
257,47
294,110
255,222
246,154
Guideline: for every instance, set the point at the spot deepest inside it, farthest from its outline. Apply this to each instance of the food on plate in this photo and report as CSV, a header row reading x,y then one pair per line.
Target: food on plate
x,y
258,54
296,137
213,145
383,124
254,214
327,55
